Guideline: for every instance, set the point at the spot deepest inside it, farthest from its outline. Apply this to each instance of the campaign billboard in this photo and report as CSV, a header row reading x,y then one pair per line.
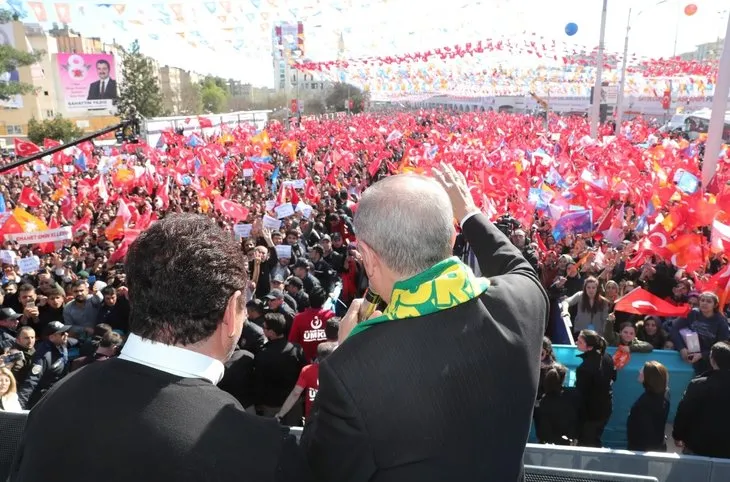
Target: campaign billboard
x,y
289,40
7,38
87,81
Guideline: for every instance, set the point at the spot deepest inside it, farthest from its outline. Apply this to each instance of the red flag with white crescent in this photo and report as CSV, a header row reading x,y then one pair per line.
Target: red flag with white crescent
x,y
233,210
30,198
25,148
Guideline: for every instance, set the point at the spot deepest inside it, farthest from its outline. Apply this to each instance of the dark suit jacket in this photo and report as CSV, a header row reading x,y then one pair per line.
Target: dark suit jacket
x,y
701,419
149,426
447,396
109,93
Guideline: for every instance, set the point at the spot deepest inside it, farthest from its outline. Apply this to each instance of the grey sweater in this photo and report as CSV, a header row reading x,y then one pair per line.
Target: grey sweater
x,y
584,318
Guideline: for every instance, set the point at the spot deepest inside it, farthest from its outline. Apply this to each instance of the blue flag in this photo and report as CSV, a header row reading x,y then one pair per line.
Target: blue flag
x,y
194,141
539,198
574,222
80,161
2,203
274,178
686,181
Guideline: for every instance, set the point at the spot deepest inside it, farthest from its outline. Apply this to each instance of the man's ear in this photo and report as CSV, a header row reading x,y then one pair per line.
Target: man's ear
x,y
232,312
370,260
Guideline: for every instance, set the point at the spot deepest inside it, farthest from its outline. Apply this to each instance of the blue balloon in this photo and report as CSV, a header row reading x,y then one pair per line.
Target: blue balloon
x,y
571,29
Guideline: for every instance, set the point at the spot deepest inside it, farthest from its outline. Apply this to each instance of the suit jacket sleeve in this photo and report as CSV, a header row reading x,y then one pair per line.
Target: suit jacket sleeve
x,y
518,289
334,439
688,406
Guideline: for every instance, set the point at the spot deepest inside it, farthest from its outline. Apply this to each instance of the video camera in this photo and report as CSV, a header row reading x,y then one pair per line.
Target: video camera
x,y
507,224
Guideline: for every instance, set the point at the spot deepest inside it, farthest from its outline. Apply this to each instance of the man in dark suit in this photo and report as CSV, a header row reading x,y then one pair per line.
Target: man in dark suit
x,y
700,425
105,87
158,403
442,384
276,369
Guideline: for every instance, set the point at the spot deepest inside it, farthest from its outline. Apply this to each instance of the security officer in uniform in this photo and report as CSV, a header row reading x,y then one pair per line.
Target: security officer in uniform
x,y
8,325
50,364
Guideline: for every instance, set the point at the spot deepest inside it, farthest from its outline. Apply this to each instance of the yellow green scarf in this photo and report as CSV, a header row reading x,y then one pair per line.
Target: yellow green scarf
x,y
442,286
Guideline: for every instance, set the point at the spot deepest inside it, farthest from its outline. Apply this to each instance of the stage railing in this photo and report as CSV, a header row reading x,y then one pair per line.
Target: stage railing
x,y
666,467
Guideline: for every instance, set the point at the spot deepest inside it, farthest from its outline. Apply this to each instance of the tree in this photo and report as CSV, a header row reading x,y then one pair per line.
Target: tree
x,y
214,93
314,106
191,100
215,97
140,88
271,101
12,58
58,129
341,93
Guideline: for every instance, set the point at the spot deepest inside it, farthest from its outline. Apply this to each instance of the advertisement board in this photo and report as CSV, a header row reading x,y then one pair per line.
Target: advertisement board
x,y
87,81
289,40
7,38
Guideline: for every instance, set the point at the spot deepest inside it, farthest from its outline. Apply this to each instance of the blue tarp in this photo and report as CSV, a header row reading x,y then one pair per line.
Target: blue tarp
x,y
627,388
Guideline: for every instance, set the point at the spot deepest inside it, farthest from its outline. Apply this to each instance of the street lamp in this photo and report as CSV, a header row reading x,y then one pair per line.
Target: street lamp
x,y
597,88
717,118
622,82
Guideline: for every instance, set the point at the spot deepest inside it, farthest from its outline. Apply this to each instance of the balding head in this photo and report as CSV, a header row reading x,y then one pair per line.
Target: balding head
x,y
407,221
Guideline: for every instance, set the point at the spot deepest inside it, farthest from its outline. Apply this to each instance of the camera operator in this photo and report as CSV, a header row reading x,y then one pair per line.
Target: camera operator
x,y
519,239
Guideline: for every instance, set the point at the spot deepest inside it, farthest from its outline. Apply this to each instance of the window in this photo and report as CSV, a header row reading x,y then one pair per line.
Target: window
x,y
49,113
45,92
15,129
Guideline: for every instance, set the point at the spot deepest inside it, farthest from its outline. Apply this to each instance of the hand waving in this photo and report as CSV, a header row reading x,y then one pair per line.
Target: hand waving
x,y
456,187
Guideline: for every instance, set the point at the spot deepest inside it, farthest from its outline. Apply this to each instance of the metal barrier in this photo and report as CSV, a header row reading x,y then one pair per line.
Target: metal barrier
x,y
552,474
666,467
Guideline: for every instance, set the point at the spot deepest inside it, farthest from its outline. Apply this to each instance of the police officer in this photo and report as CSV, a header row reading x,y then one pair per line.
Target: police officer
x,y
50,364
8,326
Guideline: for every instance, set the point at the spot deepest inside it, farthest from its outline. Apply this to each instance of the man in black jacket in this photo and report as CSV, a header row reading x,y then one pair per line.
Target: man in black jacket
x,y
159,399
442,384
700,425
276,369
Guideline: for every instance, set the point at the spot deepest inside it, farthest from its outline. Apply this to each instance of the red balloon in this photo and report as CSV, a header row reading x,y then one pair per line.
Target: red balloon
x,y
690,9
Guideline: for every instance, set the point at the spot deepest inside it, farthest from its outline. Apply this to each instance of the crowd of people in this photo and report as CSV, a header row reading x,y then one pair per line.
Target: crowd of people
x,y
597,219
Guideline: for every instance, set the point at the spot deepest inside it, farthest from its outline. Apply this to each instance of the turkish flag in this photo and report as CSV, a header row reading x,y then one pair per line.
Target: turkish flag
x,y
163,195
67,206
25,148
641,302
311,192
83,225
231,209
30,198
204,122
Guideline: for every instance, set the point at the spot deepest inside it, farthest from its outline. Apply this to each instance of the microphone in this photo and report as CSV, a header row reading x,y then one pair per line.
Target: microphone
x,y
372,302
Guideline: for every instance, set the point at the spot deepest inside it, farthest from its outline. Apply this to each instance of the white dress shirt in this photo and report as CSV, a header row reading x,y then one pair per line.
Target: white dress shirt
x,y
172,359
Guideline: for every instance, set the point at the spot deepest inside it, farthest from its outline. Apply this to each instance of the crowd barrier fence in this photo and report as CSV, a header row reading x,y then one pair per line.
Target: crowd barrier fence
x,y
666,467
